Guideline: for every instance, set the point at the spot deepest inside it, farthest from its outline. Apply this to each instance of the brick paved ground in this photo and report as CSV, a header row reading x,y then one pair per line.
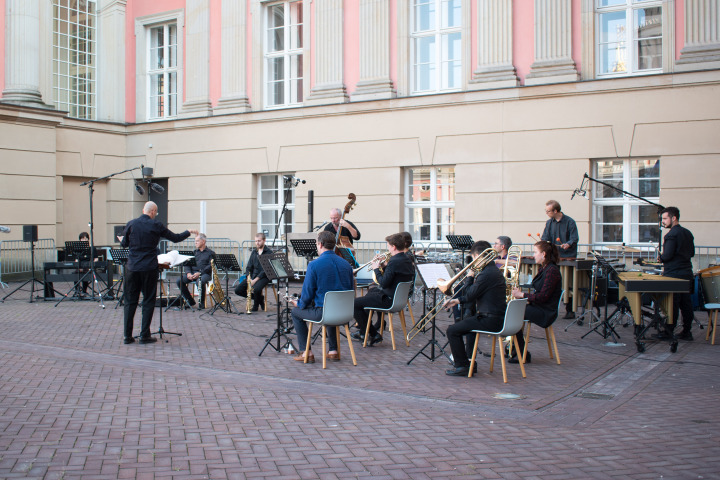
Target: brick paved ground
x,y
77,403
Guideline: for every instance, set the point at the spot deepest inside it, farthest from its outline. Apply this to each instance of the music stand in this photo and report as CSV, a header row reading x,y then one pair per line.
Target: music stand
x,y
190,262
277,267
226,262
429,274
161,331
120,258
608,329
305,247
460,242
80,251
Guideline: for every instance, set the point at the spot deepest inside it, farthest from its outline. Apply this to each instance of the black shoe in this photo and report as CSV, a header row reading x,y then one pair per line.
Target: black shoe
x,y
190,302
377,338
200,307
569,315
458,371
686,335
147,340
514,359
128,340
357,336
662,335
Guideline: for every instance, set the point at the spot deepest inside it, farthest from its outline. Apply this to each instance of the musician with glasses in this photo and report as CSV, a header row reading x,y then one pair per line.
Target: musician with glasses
x,y
202,270
678,249
255,274
486,291
561,231
542,308
501,246
346,227
398,269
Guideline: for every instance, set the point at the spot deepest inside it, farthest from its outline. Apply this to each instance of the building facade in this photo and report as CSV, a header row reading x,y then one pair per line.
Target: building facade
x,y
441,116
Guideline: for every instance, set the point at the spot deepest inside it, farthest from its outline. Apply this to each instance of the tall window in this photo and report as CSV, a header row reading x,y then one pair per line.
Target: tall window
x,y
629,36
272,192
430,203
162,71
621,219
284,54
74,57
436,45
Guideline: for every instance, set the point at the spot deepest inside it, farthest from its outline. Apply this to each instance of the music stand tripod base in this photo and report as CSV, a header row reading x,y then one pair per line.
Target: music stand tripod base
x,y
277,267
161,331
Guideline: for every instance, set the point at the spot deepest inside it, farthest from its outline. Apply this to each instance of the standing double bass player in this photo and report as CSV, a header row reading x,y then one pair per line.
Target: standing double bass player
x,y
344,227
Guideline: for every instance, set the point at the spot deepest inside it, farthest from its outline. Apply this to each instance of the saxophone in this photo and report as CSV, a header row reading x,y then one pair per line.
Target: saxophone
x,y
248,304
215,287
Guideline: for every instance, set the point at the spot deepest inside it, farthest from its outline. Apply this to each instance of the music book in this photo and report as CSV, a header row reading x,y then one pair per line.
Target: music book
x,y
431,272
172,258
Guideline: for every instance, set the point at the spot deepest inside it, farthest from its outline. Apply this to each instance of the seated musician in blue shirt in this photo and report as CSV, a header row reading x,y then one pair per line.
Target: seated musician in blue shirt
x,y
327,273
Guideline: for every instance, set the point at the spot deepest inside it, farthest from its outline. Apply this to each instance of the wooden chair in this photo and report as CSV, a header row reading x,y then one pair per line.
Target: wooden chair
x,y
514,317
272,285
400,300
712,309
337,311
549,335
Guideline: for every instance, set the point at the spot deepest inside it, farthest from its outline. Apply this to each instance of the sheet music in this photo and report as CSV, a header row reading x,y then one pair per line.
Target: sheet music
x,y
173,258
431,272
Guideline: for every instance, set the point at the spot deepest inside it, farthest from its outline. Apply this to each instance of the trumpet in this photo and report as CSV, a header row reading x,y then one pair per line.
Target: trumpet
x,y
484,259
381,257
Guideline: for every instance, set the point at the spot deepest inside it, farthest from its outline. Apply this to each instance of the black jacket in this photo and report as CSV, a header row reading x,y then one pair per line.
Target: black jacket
x,y
202,262
254,269
141,236
678,249
487,291
399,269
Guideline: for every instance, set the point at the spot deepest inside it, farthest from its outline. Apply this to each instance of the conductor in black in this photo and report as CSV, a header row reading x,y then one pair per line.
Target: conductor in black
x,y
678,249
141,236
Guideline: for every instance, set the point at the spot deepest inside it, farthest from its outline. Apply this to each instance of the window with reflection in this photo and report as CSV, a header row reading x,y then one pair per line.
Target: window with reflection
x,y
436,45
163,71
629,36
273,192
284,54
619,218
430,203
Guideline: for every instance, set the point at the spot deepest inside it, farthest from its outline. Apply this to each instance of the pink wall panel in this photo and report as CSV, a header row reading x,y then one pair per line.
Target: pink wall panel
x,y
351,46
523,36
393,44
2,47
576,19
215,50
679,27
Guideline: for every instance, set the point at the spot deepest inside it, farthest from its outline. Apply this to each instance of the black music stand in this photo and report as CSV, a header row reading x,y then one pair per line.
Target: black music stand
x,y
190,262
460,242
161,331
432,341
32,280
226,262
80,251
120,258
305,247
607,327
277,267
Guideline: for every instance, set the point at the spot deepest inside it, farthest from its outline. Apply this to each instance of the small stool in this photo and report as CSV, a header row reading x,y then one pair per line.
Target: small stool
x,y
271,284
712,309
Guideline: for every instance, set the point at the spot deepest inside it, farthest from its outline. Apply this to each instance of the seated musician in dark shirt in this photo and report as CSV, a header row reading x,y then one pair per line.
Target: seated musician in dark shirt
x,y
202,270
486,291
346,227
255,274
399,269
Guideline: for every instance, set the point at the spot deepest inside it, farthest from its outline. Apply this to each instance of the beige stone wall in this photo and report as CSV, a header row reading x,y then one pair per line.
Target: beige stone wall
x,y
512,150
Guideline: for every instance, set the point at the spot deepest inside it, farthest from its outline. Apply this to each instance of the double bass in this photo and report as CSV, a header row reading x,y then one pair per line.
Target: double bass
x,y
342,243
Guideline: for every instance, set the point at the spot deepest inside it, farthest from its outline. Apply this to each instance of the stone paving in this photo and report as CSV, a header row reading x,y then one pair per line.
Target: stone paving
x,y
75,402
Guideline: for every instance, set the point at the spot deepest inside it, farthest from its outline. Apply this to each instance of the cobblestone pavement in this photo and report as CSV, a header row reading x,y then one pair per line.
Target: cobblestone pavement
x,y
77,403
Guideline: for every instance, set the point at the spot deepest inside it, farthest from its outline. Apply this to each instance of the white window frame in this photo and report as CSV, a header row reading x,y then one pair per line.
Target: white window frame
x,y
441,35
591,32
165,72
79,97
286,55
434,204
277,207
629,184
142,43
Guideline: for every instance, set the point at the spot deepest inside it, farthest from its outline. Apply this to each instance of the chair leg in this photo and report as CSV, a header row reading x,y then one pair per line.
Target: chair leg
x,y
472,360
714,327
392,332
527,340
502,357
711,313
367,329
412,317
551,338
307,345
350,345
337,340
324,338
492,354
521,361
404,328
547,338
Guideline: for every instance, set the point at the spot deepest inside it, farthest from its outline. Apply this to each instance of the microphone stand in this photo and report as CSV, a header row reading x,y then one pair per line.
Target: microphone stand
x,y
287,185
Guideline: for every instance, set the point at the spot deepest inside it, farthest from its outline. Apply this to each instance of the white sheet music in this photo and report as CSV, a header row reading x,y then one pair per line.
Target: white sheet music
x,y
173,258
431,272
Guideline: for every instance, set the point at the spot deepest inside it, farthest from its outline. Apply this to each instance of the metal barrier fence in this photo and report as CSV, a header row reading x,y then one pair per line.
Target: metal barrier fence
x,y
15,256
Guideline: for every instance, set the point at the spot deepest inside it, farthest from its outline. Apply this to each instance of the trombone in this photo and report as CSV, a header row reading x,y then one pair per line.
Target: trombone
x,y
445,286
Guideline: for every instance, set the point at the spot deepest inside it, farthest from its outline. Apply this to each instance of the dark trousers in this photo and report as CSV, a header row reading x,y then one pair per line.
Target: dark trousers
x,y
682,302
462,351
183,283
535,315
136,282
257,291
311,313
374,298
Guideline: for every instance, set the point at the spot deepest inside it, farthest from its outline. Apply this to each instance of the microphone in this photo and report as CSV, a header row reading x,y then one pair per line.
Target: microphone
x,y
321,226
157,188
139,189
294,179
574,193
4,229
